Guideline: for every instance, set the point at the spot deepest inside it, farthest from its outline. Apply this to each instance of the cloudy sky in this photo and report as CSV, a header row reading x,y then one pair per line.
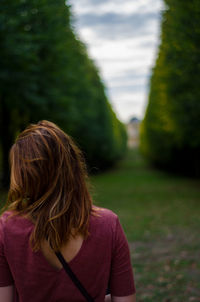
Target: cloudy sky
x,y
122,36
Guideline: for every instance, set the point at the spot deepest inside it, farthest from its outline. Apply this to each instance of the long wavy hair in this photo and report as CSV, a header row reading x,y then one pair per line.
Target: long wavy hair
x,y
48,184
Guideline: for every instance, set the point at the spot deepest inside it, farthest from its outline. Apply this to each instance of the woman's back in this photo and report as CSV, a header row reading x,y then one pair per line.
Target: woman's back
x,y
100,258
69,251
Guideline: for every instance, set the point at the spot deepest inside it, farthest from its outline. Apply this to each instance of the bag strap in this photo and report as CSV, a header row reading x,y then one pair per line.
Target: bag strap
x,y
73,277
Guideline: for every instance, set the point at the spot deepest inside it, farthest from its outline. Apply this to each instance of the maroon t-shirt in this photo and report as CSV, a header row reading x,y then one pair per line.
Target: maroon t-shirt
x,y
103,259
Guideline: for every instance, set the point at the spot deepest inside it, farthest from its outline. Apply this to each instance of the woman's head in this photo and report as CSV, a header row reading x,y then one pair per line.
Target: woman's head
x,y
48,183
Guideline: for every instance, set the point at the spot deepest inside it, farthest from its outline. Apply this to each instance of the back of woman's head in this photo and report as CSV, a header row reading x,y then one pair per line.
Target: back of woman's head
x,y
48,184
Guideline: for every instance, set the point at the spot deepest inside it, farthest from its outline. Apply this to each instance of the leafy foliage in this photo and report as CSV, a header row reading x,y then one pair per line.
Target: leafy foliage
x,y
46,73
170,130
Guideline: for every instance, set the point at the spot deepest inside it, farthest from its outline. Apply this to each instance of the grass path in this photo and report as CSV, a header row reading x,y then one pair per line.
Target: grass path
x,y
161,217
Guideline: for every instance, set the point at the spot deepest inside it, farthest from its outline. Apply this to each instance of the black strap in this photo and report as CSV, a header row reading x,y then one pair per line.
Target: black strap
x,y
73,277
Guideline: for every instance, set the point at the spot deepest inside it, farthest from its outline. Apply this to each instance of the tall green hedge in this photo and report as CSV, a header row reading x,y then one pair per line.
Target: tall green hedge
x,y
45,73
170,132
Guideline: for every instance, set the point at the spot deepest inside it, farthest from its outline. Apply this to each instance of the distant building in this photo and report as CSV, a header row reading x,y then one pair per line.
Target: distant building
x,y
133,132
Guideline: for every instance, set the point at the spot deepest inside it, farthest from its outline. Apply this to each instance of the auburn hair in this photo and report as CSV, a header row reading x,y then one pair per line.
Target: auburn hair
x,y
48,184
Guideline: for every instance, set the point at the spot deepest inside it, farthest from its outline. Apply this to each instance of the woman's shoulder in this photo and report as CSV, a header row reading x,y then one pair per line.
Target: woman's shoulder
x,y
11,222
10,216
4,218
104,218
104,213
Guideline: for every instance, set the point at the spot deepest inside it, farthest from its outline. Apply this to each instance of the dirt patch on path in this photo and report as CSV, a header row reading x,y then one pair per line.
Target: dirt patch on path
x,y
167,269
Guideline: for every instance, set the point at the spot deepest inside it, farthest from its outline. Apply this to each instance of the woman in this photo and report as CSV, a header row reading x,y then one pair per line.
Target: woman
x,y
50,210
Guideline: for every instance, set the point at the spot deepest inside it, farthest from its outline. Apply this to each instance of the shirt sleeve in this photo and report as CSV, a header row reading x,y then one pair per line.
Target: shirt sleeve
x,y
121,279
6,278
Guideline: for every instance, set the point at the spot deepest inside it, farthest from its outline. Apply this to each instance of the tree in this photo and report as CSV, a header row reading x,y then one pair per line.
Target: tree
x,y
170,130
46,74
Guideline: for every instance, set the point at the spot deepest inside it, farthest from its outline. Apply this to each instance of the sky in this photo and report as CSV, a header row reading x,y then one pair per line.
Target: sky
x,y
122,37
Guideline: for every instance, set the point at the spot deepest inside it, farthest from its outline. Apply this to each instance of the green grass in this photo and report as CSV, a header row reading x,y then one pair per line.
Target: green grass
x,y
149,202
160,214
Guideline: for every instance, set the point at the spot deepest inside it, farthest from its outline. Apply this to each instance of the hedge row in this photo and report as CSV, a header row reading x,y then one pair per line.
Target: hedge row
x,y
170,132
45,73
